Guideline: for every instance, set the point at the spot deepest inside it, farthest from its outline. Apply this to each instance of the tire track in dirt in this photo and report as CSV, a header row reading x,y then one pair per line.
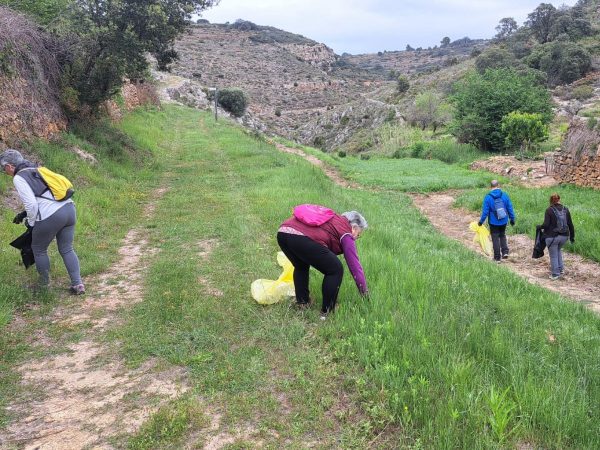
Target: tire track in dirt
x,y
84,397
580,282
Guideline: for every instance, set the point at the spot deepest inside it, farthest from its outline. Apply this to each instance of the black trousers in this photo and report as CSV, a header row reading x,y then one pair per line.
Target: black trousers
x,y
303,252
499,242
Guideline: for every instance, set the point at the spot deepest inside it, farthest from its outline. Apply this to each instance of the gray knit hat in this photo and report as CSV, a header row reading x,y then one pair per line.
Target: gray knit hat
x,y
12,157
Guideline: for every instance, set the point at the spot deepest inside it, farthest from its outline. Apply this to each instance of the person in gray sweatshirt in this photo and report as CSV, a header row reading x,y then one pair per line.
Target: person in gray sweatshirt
x,y
48,218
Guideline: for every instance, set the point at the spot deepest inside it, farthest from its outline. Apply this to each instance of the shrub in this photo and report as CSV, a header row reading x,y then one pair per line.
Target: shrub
x,y
278,112
482,100
562,61
344,121
592,122
365,156
523,131
402,84
233,100
582,92
342,154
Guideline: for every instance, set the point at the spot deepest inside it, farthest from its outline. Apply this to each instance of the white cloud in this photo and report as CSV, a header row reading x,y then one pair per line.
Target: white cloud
x,y
374,25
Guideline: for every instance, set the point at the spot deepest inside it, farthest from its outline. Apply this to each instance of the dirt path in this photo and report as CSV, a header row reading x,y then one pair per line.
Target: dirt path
x,y
580,282
85,396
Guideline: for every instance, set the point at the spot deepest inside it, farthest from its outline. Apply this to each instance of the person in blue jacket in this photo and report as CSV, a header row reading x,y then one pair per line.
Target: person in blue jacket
x,y
498,209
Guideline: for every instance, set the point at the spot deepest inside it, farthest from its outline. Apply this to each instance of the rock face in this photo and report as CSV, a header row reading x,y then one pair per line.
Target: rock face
x,y
29,81
578,160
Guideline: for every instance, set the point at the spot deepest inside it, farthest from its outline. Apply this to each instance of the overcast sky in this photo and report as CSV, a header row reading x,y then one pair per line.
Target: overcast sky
x,y
368,26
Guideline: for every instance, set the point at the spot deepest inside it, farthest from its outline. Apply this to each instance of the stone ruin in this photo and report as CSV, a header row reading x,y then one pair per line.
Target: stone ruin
x,y
578,160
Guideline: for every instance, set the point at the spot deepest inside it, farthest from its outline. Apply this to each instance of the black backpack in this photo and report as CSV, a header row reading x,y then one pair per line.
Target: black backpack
x,y
562,227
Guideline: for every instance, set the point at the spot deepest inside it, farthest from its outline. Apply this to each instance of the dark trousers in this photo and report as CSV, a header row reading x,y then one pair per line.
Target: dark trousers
x,y
303,252
498,233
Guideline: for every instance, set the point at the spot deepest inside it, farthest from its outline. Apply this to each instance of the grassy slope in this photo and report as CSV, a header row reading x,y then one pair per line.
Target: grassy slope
x,y
454,350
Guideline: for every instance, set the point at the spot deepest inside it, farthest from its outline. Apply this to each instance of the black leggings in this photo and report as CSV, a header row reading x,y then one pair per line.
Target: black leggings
x,y
303,252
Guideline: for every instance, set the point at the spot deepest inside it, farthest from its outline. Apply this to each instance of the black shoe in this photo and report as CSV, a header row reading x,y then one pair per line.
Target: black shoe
x,y
505,256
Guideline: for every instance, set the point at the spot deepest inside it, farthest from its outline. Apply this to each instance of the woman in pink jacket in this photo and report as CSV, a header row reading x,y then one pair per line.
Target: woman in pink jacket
x,y
318,245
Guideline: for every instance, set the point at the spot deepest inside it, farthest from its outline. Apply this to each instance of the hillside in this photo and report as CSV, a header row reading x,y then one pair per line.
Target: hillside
x,y
300,88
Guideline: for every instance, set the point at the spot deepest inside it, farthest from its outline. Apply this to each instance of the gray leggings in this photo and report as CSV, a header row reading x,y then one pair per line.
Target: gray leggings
x,y
61,225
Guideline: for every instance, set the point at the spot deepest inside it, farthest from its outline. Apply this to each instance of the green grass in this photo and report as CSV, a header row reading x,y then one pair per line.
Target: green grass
x,y
453,351
450,351
108,195
412,175
530,205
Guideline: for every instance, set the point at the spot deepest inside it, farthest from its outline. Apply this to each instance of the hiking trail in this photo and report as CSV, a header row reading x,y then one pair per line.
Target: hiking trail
x,y
580,282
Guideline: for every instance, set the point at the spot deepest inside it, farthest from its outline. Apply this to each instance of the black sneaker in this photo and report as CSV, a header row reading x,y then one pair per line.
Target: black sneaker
x,y
505,256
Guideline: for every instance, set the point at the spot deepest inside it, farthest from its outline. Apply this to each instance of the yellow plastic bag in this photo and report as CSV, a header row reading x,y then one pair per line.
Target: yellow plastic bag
x,y
267,292
482,237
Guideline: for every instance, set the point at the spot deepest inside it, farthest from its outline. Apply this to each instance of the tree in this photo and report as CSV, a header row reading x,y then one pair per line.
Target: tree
x,y
562,61
523,131
402,84
540,21
409,48
506,27
430,110
482,100
109,40
233,100
445,41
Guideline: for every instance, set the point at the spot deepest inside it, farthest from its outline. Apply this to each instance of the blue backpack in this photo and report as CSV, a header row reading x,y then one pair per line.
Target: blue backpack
x,y
500,208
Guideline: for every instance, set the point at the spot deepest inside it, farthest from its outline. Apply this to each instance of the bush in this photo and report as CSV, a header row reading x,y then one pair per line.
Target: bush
x,y
342,154
233,100
582,92
481,101
278,112
402,84
562,61
592,122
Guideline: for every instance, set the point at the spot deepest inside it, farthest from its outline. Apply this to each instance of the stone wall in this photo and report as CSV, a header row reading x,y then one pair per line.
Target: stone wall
x,y
578,161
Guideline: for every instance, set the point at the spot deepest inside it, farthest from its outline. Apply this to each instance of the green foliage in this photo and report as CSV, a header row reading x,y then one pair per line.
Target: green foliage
x,y
494,58
445,41
523,131
482,100
540,21
233,100
430,110
501,413
562,61
44,11
592,122
446,150
402,84
169,425
582,92
506,27
113,38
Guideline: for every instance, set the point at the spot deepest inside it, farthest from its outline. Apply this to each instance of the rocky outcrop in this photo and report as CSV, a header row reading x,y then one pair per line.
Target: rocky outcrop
x,y
134,94
318,55
578,160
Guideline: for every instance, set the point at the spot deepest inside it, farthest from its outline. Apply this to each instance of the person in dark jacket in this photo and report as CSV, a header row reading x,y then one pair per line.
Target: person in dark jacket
x,y
492,202
558,229
317,246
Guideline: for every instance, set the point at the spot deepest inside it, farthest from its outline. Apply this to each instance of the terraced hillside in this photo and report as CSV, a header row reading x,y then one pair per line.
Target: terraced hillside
x,y
300,88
